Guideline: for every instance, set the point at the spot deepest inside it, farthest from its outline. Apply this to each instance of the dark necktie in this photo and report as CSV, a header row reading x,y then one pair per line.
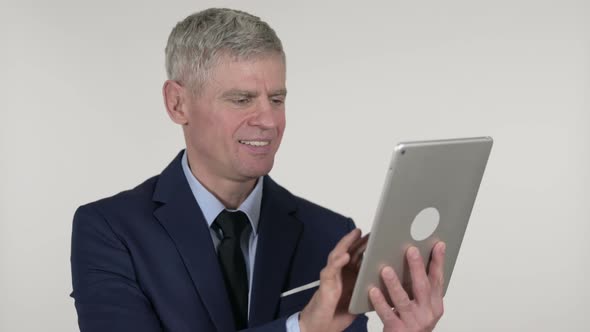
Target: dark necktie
x,y
233,265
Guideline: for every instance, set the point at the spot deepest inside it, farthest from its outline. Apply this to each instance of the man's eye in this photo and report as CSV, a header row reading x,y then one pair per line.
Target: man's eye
x,y
241,101
277,101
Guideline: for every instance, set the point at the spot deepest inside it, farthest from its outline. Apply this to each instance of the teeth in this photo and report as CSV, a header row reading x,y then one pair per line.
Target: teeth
x,y
255,143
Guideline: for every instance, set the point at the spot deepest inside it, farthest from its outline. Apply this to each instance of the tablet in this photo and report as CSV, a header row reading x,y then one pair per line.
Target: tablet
x,y
428,196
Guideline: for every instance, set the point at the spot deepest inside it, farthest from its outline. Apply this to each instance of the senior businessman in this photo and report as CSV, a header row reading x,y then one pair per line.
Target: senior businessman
x,y
213,243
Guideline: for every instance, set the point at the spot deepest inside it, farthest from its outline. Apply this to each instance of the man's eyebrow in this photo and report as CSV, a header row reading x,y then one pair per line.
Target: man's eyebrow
x,y
280,92
251,94
238,93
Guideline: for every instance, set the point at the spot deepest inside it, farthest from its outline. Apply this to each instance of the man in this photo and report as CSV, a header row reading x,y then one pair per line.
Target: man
x,y
213,243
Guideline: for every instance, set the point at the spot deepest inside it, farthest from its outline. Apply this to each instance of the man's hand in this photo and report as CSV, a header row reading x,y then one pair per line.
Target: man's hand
x,y
422,313
328,308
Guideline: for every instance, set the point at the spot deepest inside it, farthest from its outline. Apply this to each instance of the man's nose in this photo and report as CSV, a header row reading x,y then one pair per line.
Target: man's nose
x,y
265,115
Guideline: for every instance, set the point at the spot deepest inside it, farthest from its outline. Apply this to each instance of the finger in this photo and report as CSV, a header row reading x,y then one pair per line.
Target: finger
x,y
330,289
332,270
357,257
344,243
436,268
420,281
358,249
436,273
382,308
359,243
340,249
396,292
331,274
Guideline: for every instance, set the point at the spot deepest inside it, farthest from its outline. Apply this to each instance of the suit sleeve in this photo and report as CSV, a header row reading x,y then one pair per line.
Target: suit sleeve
x,y
106,292
358,325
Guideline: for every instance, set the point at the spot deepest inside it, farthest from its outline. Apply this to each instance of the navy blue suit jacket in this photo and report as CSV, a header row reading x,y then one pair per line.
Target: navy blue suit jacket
x,y
143,260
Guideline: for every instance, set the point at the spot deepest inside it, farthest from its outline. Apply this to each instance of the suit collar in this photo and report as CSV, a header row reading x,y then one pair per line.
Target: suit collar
x,y
278,233
182,218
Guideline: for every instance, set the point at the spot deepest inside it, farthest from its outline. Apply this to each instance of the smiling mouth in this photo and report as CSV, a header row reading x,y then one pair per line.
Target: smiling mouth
x,y
254,143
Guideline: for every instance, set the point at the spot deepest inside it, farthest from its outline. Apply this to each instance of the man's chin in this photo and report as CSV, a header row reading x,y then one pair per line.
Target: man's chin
x,y
256,171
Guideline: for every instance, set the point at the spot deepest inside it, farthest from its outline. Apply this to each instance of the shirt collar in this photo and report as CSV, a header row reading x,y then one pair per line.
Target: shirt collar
x,y
212,207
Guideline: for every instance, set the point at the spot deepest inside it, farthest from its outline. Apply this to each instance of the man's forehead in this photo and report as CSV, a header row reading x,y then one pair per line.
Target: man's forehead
x,y
267,73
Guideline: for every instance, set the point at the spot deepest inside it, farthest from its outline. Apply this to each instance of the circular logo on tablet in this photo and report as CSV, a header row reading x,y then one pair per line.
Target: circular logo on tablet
x,y
425,224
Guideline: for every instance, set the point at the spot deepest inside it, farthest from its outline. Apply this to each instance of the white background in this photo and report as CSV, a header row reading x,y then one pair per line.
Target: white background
x,y
82,117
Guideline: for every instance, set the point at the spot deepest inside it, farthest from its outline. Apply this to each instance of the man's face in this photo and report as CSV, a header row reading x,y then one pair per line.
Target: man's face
x,y
236,122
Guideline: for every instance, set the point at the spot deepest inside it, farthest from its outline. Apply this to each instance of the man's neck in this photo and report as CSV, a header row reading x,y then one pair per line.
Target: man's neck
x,y
229,192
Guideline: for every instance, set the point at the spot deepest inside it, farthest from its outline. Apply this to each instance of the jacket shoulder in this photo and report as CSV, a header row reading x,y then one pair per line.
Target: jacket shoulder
x,y
122,212
139,195
317,218
307,208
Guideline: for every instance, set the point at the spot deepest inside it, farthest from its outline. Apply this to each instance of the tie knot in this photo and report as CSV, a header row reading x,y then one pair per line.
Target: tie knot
x,y
231,223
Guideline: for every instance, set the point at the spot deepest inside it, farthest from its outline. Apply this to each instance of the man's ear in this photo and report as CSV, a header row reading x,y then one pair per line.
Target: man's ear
x,y
176,102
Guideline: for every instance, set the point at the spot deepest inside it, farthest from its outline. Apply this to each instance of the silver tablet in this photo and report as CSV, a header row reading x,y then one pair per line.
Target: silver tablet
x,y
428,195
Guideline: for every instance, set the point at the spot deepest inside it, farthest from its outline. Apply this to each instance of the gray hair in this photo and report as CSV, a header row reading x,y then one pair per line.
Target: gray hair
x,y
197,43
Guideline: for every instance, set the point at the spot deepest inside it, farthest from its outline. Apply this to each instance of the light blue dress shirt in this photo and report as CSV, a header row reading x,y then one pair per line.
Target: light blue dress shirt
x,y
212,207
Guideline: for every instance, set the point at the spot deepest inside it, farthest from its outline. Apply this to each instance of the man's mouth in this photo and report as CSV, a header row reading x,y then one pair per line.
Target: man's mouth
x,y
255,143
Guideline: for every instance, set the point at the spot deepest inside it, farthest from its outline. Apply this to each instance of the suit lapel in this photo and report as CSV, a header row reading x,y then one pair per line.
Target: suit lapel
x,y
278,234
182,218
